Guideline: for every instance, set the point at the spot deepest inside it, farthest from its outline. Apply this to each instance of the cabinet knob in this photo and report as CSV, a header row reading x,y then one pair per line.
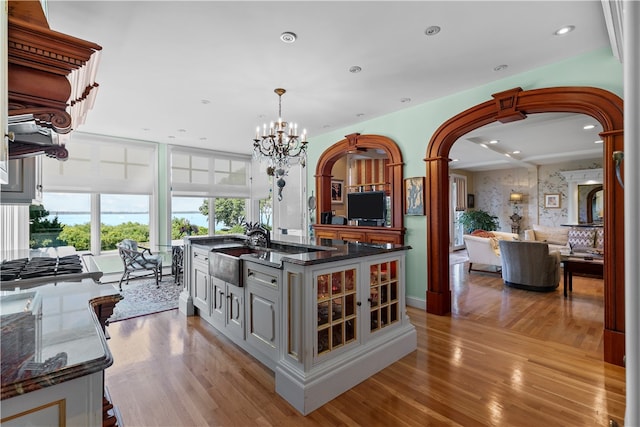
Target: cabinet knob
x,y
250,273
358,303
274,281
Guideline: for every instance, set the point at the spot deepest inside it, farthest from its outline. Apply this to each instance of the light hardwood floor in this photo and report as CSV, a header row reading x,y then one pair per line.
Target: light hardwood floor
x,y
504,357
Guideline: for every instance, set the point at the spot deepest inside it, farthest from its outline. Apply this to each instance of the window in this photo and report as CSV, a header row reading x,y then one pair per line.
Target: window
x,y
67,221
123,216
185,213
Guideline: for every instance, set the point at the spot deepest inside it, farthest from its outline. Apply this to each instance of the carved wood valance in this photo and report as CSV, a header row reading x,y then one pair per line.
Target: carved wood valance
x,y
41,66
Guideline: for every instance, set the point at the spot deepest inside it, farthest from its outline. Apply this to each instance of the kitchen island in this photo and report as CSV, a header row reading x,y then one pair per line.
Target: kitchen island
x,y
323,317
54,354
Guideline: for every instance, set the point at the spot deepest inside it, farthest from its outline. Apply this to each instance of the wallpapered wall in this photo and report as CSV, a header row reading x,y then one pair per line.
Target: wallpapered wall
x,y
492,189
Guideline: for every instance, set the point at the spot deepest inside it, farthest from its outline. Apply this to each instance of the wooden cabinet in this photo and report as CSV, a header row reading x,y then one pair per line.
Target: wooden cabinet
x,y
25,182
359,234
263,314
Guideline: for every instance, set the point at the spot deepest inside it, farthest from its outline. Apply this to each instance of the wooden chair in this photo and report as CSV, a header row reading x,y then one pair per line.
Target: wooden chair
x,y
139,261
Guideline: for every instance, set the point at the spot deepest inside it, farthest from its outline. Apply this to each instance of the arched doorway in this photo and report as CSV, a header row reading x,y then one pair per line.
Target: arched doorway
x,y
512,105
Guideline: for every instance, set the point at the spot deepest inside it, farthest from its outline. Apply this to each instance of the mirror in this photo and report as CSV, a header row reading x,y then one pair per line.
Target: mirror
x,y
590,204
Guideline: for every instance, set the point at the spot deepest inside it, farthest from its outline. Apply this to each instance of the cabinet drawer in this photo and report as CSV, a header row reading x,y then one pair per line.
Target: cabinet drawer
x,y
353,236
201,259
258,276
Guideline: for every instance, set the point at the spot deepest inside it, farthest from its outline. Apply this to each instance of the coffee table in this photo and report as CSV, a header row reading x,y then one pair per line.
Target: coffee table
x,y
587,265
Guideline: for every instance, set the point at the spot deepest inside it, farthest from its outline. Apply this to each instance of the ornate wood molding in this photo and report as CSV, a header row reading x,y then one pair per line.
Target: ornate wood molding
x,y
42,63
600,104
352,142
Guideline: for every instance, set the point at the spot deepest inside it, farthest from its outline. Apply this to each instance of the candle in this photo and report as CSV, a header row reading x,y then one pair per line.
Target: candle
x,y
264,131
304,135
258,132
271,128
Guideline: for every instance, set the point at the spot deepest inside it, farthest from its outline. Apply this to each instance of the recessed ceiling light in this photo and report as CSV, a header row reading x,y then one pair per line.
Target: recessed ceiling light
x,y
564,30
432,30
484,145
493,141
205,101
203,138
507,154
359,114
516,152
182,130
146,129
598,141
500,67
326,126
587,127
455,160
355,69
171,137
403,100
288,37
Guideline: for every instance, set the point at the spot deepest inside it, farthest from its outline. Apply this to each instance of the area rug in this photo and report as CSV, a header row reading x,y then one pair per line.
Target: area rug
x,y
141,297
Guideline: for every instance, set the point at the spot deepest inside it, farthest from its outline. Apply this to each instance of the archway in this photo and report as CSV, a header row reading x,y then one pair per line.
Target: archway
x,y
512,105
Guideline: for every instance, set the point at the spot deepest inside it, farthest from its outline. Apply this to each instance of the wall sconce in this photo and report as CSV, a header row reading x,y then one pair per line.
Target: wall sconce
x,y
516,198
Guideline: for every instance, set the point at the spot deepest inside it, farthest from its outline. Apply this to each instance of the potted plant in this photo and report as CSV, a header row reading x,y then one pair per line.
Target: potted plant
x,y
478,220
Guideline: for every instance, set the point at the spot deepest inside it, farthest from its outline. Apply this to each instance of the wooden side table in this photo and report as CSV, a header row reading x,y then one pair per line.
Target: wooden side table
x,y
591,267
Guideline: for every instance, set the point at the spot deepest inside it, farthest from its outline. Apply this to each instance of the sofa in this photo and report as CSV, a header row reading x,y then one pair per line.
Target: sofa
x,y
566,239
482,248
530,265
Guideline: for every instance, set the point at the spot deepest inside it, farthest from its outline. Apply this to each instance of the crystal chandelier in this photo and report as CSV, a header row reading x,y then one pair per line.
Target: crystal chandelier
x,y
280,145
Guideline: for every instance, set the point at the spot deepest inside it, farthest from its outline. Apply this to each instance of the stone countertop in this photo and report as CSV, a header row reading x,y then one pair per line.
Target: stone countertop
x,y
63,343
325,250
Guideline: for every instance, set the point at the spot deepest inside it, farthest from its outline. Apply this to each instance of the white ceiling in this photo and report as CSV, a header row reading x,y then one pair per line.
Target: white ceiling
x,y
202,73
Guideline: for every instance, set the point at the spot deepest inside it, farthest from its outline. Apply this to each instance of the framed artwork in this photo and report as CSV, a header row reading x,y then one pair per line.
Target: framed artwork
x,y
414,196
337,191
552,201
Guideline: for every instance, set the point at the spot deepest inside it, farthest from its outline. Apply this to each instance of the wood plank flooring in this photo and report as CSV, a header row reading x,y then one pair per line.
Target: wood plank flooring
x,y
505,357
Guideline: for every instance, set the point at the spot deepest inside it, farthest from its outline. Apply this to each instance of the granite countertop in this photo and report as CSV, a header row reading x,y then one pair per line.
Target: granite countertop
x,y
324,250
59,340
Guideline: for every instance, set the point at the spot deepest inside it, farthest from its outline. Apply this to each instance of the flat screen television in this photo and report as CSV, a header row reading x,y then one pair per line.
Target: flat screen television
x,y
367,206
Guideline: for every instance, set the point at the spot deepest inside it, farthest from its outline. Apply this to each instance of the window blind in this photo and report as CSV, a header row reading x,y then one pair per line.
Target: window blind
x,y
204,173
100,164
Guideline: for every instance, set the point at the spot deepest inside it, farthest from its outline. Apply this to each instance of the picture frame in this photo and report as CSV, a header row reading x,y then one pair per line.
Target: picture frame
x,y
337,191
552,200
414,196
471,201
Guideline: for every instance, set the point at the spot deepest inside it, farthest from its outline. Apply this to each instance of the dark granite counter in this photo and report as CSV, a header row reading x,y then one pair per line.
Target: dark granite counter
x,y
56,340
323,251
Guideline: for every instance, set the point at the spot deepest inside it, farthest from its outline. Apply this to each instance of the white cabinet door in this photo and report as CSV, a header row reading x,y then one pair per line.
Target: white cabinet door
x,y
25,181
201,291
235,310
263,316
219,302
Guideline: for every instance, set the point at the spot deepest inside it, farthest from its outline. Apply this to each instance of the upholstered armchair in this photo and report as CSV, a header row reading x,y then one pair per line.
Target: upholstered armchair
x,y
530,265
483,249
138,261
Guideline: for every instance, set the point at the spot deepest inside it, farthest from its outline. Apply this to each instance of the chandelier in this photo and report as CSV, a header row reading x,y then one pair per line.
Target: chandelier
x,y
280,145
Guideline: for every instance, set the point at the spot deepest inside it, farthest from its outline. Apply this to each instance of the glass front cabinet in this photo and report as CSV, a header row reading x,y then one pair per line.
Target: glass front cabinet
x,y
354,303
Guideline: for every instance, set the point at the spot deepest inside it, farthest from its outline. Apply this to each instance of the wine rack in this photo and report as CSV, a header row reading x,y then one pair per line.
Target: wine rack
x,y
336,306
384,303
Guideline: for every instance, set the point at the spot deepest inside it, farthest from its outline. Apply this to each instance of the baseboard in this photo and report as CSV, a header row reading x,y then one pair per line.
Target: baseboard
x,y
417,303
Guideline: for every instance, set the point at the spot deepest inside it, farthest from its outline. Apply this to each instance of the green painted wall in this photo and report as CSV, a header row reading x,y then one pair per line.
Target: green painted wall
x,y
412,128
